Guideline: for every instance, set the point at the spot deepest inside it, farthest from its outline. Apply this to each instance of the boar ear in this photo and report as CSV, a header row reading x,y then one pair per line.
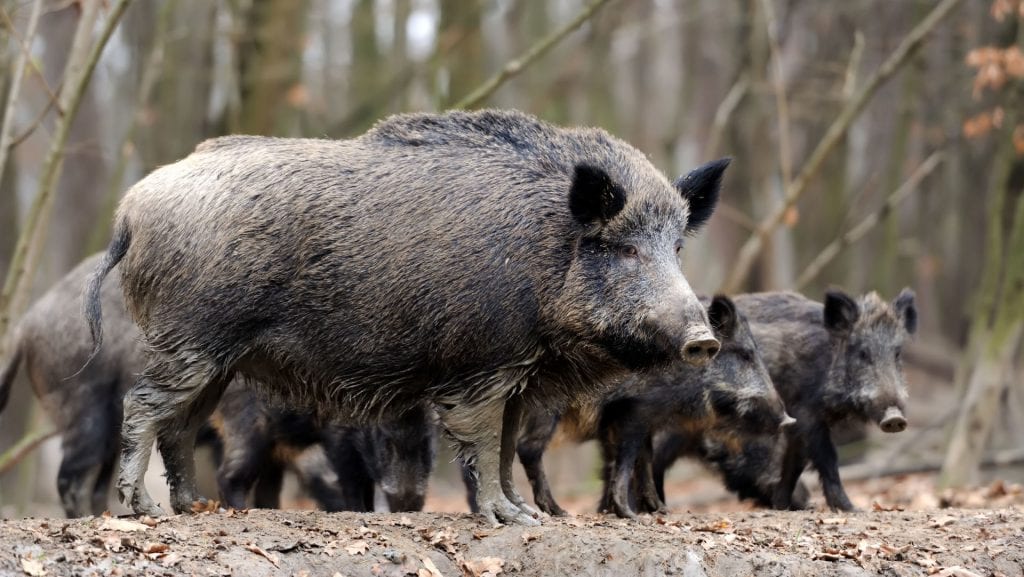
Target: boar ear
x,y
593,196
723,317
841,311
700,188
904,305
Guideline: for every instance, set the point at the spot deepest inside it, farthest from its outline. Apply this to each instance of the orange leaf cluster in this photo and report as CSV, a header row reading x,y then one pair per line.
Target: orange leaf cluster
x,y
1001,9
995,66
983,123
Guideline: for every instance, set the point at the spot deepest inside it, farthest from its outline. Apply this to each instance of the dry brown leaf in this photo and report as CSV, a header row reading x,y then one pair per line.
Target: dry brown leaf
x,y
208,506
832,521
170,559
115,524
337,574
527,537
943,521
484,567
720,526
357,547
957,571
148,521
155,548
404,522
429,568
268,556
876,506
32,567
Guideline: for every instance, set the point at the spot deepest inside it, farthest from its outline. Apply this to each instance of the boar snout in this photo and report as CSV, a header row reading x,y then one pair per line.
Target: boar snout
x,y
893,421
700,347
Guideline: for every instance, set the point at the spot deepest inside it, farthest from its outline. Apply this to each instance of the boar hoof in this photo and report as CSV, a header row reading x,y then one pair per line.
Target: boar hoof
x,y
503,511
140,502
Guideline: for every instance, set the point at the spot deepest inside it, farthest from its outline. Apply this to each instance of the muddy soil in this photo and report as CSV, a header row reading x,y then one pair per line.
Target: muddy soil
x,y
949,542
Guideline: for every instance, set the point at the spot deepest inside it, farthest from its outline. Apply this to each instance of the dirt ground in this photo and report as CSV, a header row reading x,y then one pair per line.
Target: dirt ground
x,y
908,529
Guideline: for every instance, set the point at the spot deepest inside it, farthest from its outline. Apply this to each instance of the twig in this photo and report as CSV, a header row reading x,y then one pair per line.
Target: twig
x,y
19,72
23,447
516,66
26,48
50,105
861,228
752,248
19,271
724,113
779,87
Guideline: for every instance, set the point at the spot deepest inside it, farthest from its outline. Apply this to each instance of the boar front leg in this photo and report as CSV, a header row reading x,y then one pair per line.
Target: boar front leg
x,y
478,430
512,420
822,453
793,463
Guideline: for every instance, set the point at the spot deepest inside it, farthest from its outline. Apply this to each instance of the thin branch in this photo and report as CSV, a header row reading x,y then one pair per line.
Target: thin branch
x,y
752,248
50,105
25,44
19,72
735,215
25,445
19,273
723,114
779,87
516,66
861,229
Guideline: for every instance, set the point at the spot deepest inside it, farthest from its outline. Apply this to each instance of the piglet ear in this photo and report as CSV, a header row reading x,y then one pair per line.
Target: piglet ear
x,y
905,309
723,317
700,187
594,197
841,311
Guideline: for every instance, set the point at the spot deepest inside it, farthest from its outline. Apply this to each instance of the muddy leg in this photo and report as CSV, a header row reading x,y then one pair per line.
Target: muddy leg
x,y
822,453
477,429
138,432
793,463
511,421
647,493
628,453
469,479
267,492
196,400
536,434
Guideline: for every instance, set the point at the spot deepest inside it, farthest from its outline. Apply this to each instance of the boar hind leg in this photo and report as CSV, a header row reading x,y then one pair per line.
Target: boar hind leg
x,y
102,486
793,463
476,428
138,432
628,453
537,433
512,420
647,492
89,444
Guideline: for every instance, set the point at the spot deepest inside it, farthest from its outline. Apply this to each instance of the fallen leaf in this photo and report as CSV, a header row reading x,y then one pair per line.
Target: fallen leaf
x,y
404,522
357,547
720,526
148,521
429,568
206,506
957,571
876,506
337,574
942,521
32,567
268,556
832,521
484,567
115,524
527,537
155,548
172,559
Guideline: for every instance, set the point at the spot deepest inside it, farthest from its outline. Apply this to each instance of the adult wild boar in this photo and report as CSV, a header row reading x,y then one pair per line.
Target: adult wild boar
x,y
455,258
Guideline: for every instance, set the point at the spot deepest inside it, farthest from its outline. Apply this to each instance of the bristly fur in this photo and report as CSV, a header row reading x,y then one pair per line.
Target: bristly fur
x,y
436,257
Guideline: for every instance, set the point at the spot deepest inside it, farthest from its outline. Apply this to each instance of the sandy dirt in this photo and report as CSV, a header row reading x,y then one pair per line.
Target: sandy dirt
x,y
950,540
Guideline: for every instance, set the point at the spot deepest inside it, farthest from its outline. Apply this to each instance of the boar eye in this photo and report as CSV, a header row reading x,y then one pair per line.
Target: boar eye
x,y
628,251
898,355
864,355
679,246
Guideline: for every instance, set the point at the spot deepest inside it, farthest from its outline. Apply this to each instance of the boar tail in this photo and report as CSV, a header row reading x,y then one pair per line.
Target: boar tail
x,y
8,372
91,303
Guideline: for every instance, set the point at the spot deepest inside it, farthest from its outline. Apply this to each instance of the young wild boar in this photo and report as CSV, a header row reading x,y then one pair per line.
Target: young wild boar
x,y
729,400
749,465
52,342
396,456
464,259
831,362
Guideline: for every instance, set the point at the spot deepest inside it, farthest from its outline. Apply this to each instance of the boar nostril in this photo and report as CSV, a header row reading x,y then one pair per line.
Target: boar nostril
x,y
700,352
893,425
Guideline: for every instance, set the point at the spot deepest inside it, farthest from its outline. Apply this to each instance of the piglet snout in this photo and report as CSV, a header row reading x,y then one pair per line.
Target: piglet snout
x,y
893,421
